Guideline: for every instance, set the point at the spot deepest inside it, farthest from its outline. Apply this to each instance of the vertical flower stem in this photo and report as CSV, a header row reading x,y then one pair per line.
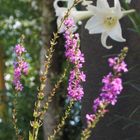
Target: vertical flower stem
x,y
62,122
102,110
14,118
36,124
53,92
20,67
87,131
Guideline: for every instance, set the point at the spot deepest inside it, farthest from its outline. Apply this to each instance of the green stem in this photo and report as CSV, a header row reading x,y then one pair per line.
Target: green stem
x,y
36,123
62,122
14,117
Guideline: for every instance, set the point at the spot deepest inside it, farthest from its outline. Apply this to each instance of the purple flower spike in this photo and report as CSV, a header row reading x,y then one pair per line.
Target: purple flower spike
x,y
112,87
20,66
76,57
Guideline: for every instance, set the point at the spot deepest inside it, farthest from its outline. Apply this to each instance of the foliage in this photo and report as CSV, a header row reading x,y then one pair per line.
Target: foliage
x,y
20,17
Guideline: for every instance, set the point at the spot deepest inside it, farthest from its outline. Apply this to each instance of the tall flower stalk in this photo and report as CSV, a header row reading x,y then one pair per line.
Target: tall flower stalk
x,y
21,67
63,120
112,87
52,94
76,57
36,123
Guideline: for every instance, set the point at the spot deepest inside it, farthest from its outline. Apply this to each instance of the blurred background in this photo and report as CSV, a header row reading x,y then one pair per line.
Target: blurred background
x,y
36,20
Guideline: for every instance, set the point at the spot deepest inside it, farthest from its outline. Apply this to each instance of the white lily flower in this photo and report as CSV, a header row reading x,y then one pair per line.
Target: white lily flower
x,y
106,21
76,15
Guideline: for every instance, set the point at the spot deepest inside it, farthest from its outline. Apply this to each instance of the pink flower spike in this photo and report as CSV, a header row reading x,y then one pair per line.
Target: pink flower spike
x,y
20,67
76,57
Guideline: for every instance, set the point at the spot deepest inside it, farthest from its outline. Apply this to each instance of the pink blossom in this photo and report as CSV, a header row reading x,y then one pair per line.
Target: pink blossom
x,y
112,87
69,23
20,66
19,49
90,117
76,57
18,86
118,67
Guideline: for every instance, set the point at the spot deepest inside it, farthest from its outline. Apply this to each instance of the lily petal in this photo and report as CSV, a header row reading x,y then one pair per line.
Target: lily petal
x,y
59,10
117,5
104,39
97,10
95,25
116,33
85,2
93,8
81,15
70,3
102,4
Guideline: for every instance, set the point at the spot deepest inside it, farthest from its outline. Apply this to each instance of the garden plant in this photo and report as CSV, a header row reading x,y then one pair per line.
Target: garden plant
x,y
99,18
